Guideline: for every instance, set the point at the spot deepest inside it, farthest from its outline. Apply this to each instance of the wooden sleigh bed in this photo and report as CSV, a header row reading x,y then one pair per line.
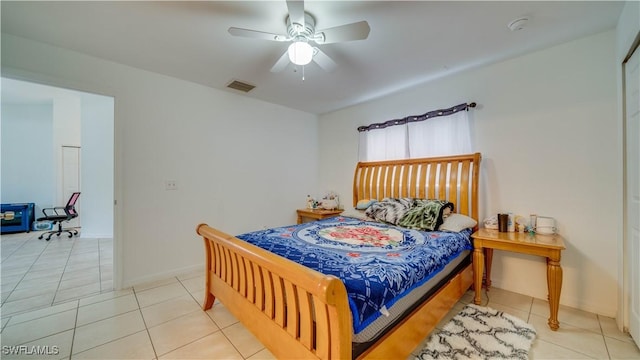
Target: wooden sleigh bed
x,y
300,313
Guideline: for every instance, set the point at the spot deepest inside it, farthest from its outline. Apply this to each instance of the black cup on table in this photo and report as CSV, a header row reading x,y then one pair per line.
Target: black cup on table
x,y
503,222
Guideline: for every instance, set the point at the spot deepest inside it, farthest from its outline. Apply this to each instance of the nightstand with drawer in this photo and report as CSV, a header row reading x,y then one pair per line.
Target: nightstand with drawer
x,y
316,214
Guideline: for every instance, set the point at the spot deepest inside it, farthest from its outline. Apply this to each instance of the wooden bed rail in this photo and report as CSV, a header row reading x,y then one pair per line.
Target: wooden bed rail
x,y
294,311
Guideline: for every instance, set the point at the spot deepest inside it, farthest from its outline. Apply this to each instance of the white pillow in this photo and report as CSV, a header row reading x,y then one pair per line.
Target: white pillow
x,y
457,223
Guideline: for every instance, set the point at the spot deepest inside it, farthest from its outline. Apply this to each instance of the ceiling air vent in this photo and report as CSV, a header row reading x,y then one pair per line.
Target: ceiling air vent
x,y
239,85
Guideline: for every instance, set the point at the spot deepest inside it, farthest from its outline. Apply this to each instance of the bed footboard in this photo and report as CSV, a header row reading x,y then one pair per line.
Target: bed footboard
x,y
294,311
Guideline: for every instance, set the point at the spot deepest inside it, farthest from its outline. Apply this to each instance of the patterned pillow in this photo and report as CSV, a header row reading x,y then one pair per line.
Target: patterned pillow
x,y
426,214
390,210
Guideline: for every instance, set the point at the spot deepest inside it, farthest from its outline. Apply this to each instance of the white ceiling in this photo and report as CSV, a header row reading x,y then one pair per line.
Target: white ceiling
x,y
409,43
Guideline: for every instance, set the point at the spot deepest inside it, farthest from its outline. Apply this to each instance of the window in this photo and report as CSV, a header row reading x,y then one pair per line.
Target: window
x,y
436,133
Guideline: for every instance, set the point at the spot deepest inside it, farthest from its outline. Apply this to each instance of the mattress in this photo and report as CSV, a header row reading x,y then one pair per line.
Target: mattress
x,y
379,263
378,326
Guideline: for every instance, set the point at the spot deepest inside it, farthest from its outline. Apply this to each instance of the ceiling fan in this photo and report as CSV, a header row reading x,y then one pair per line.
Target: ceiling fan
x,y
301,32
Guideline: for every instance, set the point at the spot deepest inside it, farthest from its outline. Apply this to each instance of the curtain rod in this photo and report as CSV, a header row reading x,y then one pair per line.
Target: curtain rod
x,y
414,118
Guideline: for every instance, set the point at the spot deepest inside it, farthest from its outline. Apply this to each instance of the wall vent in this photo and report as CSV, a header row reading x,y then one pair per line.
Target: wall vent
x,y
239,85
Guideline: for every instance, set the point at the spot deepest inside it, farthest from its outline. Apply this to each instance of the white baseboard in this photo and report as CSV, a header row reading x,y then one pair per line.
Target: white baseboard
x,y
127,283
565,299
95,235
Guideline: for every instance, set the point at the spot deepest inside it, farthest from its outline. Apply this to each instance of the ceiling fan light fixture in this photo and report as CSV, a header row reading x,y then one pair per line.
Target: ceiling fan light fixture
x,y
300,52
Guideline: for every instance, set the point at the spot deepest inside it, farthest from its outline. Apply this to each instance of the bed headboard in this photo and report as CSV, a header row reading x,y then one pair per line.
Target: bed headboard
x,y
451,178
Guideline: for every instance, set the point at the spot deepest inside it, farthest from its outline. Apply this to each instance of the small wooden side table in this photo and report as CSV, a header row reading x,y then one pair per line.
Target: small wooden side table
x,y
316,214
549,246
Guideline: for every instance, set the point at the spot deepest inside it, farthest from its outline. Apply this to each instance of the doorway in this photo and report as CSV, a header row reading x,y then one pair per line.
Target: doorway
x,y
70,138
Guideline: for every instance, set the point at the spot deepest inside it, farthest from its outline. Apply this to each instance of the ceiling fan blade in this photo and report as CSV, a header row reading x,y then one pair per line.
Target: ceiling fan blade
x,y
254,34
349,32
323,60
282,63
296,11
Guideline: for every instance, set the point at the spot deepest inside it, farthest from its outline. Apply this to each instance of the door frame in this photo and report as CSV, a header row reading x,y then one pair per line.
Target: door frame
x,y
118,156
627,275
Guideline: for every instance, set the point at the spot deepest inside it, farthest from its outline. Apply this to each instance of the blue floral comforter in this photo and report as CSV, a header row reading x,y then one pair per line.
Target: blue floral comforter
x,y
378,263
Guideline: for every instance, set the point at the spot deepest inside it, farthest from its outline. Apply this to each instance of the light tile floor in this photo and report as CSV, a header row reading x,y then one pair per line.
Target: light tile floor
x,y
38,273
163,320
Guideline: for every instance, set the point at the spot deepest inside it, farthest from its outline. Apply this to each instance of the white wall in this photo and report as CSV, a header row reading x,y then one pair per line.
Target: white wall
x,y
546,128
230,155
27,160
66,132
97,167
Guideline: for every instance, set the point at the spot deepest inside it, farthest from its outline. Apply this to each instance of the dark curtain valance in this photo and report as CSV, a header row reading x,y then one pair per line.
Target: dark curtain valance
x,y
414,118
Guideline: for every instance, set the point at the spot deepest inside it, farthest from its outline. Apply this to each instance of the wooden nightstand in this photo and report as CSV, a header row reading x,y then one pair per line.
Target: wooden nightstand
x,y
549,246
316,214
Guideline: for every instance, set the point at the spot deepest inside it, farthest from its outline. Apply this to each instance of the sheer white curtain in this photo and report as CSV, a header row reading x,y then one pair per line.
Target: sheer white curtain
x,y
431,134
389,143
439,136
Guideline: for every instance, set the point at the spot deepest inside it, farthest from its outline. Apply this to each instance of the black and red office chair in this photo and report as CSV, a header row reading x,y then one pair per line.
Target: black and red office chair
x,y
58,215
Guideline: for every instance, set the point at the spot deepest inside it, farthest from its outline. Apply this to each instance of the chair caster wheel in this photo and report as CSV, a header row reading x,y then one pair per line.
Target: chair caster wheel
x,y
70,236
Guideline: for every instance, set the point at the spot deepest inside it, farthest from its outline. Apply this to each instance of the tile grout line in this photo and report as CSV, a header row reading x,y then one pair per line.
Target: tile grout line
x,y
112,340
194,298
5,325
53,303
29,269
16,249
75,326
170,299
63,271
39,316
571,349
52,334
220,329
99,266
146,328
164,322
139,309
234,345
604,340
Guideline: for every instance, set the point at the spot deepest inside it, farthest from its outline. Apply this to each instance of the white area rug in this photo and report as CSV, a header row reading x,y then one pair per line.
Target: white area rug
x,y
479,332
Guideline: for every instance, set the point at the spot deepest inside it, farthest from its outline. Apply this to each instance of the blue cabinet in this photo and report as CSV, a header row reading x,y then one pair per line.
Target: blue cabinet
x,y
22,217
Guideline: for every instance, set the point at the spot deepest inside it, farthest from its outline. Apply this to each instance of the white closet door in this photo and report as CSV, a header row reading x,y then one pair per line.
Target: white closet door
x,y
71,179
632,130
